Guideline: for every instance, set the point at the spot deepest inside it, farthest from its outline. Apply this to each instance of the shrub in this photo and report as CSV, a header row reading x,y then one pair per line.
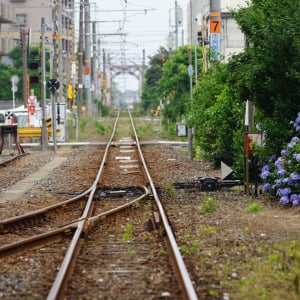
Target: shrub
x,y
282,174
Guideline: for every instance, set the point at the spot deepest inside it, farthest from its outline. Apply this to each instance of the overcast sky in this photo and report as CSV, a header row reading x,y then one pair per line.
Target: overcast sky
x,y
145,23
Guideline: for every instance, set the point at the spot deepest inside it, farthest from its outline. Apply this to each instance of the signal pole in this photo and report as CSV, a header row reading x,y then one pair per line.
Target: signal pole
x,y
87,56
80,62
43,61
24,58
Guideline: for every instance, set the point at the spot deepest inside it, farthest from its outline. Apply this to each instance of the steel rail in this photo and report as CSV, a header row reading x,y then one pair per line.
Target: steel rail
x,y
57,289
57,234
188,288
40,212
93,221
9,160
36,241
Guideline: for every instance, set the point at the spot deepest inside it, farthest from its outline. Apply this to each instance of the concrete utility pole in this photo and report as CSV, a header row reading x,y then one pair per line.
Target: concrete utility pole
x,y
80,62
95,65
176,26
56,65
43,63
24,58
190,129
87,56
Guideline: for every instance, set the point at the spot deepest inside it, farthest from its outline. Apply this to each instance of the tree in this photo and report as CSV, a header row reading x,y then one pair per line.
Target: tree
x,y
151,96
174,84
217,116
268,73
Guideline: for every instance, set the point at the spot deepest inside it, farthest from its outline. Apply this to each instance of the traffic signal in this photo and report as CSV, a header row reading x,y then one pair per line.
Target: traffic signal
x,y
34,79
34,66
200,38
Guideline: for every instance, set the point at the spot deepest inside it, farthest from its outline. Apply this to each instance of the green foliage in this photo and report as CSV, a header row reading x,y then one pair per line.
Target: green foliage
x,y
209,230
103,109
175,85
217,116
151,95
17,69
278,268
5,84
209,205
268,72
99,127
190,248
170,190
253,208
128,232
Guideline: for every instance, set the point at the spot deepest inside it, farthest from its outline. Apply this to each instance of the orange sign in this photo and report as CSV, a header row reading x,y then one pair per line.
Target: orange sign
x,y
87,70
215,26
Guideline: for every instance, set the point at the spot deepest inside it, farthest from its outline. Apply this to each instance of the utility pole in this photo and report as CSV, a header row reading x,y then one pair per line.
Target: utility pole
x,y
24,58
87,57
43,64
56,65
176,26
190,129
80,62
95,65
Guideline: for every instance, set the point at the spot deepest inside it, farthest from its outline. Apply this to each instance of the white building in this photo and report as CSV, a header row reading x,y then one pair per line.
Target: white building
x,y
214,19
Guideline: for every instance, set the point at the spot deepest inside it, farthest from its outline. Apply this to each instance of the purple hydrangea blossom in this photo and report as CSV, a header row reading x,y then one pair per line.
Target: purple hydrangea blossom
x,y
291,145
281,171
284,200
284,191
265,172
295,176
279,162
297,157
267,187
294,198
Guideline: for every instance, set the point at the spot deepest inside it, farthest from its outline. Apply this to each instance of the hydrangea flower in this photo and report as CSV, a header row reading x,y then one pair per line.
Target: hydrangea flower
x,y
295,199
282,174
297,157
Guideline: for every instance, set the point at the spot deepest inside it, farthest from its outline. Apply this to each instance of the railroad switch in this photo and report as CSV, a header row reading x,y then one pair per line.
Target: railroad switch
x,y
131,191
207,184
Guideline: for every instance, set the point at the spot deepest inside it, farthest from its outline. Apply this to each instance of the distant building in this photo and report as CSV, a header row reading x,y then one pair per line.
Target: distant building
x,y
27,16
7,16
214,20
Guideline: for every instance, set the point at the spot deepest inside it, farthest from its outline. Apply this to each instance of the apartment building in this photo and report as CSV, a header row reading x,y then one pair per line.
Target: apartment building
x,y
59,27
7,16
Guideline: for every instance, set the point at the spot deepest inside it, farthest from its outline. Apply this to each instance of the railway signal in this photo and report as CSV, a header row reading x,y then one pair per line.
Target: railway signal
x,y
53,85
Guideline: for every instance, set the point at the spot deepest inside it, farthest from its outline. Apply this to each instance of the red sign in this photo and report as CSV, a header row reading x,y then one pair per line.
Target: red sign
x,y
32,108
251,141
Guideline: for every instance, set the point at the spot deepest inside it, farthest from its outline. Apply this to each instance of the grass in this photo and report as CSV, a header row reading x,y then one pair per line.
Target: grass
x,y
128,232
253,208
279,268
209,205
170,190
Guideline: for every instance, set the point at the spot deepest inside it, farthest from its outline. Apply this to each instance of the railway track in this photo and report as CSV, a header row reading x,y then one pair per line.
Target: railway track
x,y
7,159
112,241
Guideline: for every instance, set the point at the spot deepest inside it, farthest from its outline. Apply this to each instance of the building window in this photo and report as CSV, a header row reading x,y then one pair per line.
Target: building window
x,y
21,19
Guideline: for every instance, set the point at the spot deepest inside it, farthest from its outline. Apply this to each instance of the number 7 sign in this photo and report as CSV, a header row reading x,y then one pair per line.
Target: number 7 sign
x,y
215,26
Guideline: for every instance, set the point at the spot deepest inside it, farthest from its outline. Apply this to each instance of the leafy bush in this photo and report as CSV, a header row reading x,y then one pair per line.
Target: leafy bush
x,y
282,174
